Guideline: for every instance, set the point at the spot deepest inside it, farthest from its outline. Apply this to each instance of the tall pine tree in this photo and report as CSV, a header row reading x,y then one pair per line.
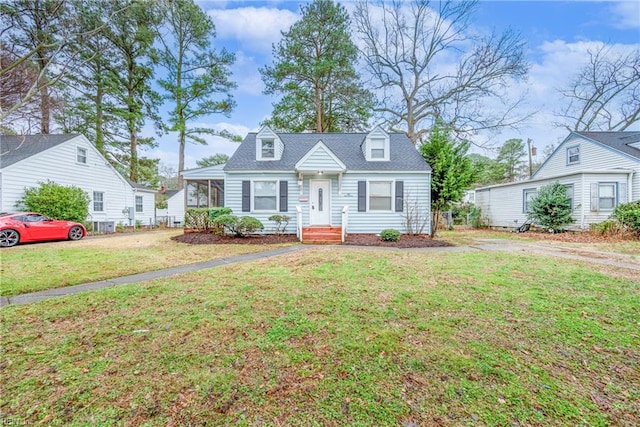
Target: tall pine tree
x,y
314,73
197,82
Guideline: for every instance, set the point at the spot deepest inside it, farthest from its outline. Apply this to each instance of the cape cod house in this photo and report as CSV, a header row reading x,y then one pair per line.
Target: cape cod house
x,y
72,160
599,170
328,183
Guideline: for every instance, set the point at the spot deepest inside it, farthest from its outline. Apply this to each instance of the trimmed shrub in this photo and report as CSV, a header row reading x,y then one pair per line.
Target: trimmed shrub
x,y
240,227
628,214
390,235
57,201
216,212
281,222
551,208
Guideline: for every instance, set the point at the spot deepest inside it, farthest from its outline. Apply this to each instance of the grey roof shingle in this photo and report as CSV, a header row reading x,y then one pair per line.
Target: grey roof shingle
x,y
346,146
17,148
617,140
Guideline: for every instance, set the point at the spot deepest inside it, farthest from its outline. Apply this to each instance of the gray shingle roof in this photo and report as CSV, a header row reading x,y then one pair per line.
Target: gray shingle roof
x,y
617,140
17,148
346,146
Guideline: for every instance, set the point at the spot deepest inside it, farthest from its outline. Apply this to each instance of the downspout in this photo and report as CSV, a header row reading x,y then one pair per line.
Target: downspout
x,y
582,202
630,186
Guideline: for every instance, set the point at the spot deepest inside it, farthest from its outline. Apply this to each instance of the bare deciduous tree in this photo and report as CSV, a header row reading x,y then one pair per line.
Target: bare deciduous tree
x,y
605,94
428,64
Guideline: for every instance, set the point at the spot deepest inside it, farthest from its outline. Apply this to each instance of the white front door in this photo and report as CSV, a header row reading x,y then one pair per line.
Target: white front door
x,y
320,202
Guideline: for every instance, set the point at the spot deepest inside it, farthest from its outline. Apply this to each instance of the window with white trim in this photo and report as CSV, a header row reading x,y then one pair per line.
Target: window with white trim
x,y
380,195
268,148
139,204
606,196
573,155
528,194
569,190
265,195
98,201
81,155
377,148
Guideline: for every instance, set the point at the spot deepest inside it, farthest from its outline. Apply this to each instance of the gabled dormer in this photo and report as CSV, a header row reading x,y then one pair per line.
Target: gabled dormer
x,y
269,146
376,146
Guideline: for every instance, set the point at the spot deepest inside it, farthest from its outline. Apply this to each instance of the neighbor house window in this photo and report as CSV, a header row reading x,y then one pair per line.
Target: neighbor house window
x,y
380,195
98,201
569,189
528,194
81,155
265,195
377,148
268,149
139,204
573,155
606,196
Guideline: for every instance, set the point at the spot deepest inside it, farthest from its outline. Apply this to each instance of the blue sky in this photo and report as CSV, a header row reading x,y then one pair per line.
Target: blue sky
x,y
558,35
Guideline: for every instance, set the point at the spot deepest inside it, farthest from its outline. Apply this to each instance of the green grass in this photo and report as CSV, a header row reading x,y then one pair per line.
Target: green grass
x,y
335,337
35,267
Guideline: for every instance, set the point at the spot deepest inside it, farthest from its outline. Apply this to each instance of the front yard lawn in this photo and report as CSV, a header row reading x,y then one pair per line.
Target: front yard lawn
x,y
336,337
35,267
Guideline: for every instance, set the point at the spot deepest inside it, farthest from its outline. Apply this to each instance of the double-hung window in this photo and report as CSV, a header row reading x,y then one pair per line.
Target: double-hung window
x,y
98,201
268,149
380,195
139,204
377,148
573,155
265,195
606,196
528,194
81,155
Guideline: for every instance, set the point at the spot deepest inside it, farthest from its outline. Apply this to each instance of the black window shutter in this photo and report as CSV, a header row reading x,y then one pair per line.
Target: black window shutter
x,y
246,196
399,195
362,196
284,196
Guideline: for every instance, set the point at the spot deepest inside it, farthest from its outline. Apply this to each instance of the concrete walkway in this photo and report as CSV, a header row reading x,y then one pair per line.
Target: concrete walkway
x,y
141,277
604,258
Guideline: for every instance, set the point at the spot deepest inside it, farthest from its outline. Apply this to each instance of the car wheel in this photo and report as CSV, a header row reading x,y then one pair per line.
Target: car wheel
x,y
76,233
9,238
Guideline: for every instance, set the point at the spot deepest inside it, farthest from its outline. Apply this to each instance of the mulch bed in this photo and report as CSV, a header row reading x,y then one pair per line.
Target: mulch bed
x,y
406,241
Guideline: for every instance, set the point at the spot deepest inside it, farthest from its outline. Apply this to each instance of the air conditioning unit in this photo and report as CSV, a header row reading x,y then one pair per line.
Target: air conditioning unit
x,y
104,226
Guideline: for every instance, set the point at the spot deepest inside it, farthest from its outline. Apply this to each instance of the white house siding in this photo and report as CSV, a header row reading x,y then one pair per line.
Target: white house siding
x,y
174,210
416,191
59,164
233,197
148,214
320,160
502,205
593,156
416,187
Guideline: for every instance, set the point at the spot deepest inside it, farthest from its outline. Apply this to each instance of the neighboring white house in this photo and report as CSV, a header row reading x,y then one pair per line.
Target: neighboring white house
x,y
355,182
71,159
599,169
173,215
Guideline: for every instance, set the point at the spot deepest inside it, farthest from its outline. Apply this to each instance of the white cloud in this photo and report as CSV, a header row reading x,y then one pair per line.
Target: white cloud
x,y
626,14
255,28
247,75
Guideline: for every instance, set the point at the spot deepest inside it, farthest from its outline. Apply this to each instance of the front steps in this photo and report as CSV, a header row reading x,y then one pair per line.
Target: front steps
x,y
322,235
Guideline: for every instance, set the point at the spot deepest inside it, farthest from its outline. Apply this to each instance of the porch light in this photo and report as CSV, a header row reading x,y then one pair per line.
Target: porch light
x,y
320,172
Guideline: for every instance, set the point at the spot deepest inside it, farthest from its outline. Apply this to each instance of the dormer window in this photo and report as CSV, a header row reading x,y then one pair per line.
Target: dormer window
x,y
378,148
268,149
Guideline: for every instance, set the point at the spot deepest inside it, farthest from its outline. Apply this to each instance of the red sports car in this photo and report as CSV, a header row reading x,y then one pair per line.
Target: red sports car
x,y
26,227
